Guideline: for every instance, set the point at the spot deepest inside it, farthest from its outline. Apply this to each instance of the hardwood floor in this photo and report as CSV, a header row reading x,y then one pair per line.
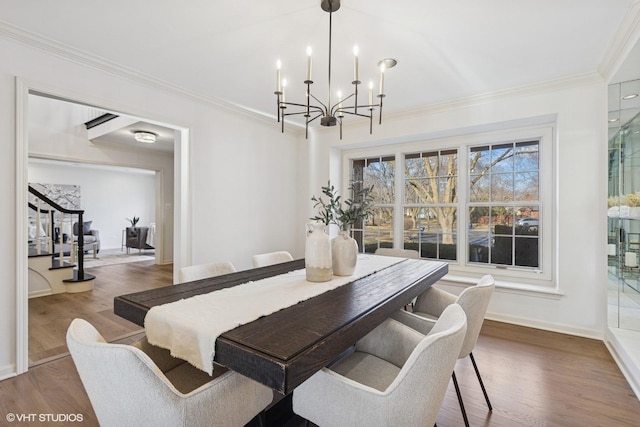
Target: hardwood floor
x,y
533,377
50,316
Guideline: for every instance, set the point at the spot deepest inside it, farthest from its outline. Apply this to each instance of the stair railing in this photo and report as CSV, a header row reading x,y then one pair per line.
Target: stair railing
x,y
50,229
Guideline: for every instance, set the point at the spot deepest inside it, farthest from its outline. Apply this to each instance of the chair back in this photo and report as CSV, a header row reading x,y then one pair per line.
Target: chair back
x,y
270,258
474,301
123,383
202,271
402,253
422,382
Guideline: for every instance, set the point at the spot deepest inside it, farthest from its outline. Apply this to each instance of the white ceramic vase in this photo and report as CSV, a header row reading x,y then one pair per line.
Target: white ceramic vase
x,y
317,254
344,252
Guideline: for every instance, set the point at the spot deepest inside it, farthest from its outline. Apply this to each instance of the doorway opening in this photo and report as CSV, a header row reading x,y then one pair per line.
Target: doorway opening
x,y
110,168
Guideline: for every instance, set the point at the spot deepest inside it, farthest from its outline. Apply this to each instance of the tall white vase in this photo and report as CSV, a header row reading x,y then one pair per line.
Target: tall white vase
x,y
317,253
344,252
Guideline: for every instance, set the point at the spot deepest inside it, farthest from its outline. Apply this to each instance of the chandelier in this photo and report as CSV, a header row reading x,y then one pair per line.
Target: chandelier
x,y
331,114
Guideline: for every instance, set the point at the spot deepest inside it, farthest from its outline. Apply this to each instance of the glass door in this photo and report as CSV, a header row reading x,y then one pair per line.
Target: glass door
x,y
623,250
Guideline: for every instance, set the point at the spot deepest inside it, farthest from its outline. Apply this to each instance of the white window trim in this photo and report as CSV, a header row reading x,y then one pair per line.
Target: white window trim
x,y
543,278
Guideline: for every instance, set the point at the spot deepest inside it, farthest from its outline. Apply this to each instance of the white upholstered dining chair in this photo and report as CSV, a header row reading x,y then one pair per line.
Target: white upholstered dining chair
x,y
270,258
404,253
430,305
202,271
142,385
396,376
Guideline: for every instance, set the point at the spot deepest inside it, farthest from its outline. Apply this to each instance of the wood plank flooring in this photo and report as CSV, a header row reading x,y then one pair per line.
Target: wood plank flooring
x,y
533,377
50,316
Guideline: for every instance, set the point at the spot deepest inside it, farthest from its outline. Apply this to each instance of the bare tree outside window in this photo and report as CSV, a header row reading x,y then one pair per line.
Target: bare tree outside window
x,y
503,208
430,203
379,173
502,203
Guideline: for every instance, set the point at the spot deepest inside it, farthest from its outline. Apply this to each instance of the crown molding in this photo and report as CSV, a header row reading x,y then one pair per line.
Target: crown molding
x,y
519,91
624,40
63,51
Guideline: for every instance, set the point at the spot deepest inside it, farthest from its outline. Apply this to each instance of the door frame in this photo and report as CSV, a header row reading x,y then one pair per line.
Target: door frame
x,y
181,207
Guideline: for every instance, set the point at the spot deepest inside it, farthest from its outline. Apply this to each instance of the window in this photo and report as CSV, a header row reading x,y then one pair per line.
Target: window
x,y
430,203
503,205
475,201
378,172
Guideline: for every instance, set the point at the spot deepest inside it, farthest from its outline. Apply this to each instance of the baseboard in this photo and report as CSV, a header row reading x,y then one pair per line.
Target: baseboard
x,y
627,361
8,371
546,326
41,293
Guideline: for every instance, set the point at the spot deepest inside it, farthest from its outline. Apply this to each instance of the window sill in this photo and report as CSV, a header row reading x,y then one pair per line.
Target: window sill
x,y
507,286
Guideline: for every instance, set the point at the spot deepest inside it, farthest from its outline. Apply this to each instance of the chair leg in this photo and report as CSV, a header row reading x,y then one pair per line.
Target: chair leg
x,y
464,413
484,391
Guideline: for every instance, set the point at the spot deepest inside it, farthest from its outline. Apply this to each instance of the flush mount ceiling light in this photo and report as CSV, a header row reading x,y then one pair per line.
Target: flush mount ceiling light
x,y
146,137
630,96
331,115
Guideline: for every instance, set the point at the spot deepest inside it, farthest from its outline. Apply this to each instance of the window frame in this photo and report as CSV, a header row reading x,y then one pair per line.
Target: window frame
x,y
439,204
545,133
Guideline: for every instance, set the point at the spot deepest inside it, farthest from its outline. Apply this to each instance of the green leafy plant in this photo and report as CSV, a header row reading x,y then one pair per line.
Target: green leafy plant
x,y
343,213
134,220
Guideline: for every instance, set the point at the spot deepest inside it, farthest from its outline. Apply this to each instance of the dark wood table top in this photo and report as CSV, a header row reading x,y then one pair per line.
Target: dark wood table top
x,y
285,348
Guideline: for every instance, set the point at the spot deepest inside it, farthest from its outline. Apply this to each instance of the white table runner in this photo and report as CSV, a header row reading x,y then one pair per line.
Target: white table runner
x,y
189,327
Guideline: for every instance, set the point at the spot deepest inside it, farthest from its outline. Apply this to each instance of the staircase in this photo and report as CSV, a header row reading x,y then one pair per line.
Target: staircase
x,y
55,266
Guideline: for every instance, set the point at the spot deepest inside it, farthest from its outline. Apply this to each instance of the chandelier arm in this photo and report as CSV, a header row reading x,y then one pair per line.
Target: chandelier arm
x,y
319,115
324,108
311,107
370,107
295,114
355,114
337,108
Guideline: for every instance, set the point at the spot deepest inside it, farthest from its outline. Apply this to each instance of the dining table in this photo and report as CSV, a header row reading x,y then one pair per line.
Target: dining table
x,y
283,349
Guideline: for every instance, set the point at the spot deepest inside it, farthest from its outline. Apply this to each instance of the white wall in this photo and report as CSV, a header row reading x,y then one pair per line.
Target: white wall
x,y
579,104
243,170
108,196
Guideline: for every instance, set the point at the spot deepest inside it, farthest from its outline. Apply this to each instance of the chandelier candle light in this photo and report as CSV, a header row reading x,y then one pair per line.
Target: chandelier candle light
x,y
331,115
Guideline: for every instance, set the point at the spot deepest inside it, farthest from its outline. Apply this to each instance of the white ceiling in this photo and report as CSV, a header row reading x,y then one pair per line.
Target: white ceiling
x,y
49,116
226,51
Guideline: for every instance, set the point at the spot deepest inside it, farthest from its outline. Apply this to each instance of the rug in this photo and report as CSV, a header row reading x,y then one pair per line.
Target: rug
x,y
116,256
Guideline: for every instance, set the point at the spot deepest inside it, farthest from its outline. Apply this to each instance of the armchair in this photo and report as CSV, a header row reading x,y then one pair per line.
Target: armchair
x,y
202,271
431,305
91,237
142,385
396,376
262,260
